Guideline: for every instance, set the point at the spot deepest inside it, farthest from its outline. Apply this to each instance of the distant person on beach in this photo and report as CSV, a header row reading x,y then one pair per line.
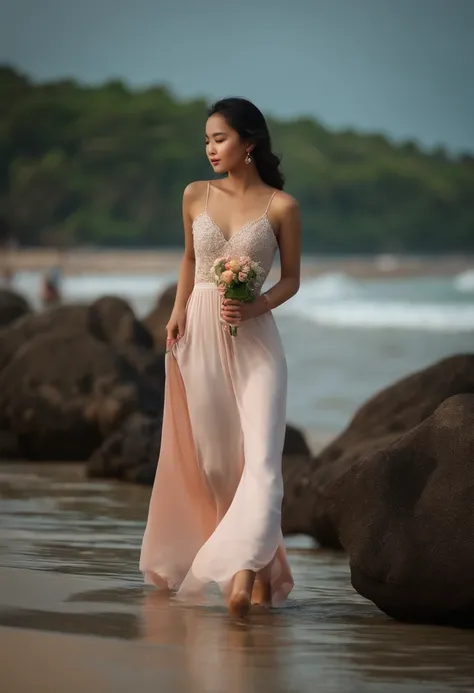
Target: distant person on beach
x,y
51,287
8,276
8,245
215,509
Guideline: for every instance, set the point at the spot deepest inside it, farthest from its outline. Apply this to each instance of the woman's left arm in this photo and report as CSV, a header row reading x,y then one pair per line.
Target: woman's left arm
x,y
289,241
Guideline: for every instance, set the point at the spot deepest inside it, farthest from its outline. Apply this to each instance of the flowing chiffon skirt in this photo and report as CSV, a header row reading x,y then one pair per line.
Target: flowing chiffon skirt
x,y
215,507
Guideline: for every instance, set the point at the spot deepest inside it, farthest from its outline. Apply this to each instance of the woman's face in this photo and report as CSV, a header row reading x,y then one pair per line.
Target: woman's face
x,y
224,148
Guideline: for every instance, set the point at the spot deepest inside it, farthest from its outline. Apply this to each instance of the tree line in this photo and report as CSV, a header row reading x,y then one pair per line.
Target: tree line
x,y
107,165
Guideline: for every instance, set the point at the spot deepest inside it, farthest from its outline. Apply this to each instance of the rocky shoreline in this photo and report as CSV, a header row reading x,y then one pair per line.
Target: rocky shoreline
x,y
395,489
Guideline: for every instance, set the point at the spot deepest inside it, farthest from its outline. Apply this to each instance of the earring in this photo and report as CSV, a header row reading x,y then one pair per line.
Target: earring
x,y
248,158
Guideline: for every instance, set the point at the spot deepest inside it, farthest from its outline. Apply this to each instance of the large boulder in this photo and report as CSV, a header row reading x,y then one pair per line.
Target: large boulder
x,y
12,307
405,516
130,453
377,424
71,319
9,445
109,319
295,442
62,394
112,320
300,498
157,320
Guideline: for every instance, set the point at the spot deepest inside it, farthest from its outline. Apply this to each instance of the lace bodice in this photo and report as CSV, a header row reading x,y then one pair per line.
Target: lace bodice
x,y
256,239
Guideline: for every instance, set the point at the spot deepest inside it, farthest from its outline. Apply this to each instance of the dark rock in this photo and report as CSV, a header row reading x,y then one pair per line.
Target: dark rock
x,y
148,364
12,307
377,424
63,394
298,502
63,319
112,320
9,446
158,318
295,442
405,516
70,375
71,318
109,319
131,453
297,466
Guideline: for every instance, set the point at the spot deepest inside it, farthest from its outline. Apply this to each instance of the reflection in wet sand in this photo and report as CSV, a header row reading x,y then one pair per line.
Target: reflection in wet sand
x,y
216,653
390,651
68,565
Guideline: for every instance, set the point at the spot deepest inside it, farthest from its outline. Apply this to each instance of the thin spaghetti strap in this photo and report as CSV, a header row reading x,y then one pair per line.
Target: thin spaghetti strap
x,y
207,194
270,201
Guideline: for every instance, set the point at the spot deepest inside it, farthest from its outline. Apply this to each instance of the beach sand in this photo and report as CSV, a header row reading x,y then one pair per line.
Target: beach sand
x,y
165,261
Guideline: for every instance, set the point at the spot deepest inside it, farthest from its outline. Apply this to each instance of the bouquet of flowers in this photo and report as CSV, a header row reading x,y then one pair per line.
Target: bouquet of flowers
x,y
236,279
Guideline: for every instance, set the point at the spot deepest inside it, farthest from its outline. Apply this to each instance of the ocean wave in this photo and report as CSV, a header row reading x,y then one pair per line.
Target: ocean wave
x,y
330,286
464,281
334,285
340,301
446,317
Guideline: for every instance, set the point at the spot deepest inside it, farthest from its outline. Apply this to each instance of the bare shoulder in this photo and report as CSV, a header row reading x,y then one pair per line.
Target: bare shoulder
x,y
194,196
194,191
285,211
284,203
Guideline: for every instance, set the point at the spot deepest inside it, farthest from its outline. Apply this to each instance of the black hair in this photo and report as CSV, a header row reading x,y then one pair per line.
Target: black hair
x,y
248,121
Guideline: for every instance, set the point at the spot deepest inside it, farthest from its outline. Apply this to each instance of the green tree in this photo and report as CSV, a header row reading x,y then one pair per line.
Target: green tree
x,y
107,165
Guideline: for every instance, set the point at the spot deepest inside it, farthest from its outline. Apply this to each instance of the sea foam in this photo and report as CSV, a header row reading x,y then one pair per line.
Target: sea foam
x,y
338,300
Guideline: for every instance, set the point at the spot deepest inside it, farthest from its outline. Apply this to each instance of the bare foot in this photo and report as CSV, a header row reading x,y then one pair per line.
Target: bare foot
x,y
239,604
239,601
262,594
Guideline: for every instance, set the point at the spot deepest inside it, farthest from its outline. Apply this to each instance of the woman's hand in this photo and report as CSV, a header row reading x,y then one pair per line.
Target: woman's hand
x,y
235,312
175,327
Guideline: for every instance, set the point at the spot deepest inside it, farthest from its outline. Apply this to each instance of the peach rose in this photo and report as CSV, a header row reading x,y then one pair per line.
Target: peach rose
x,y
227,276
234,266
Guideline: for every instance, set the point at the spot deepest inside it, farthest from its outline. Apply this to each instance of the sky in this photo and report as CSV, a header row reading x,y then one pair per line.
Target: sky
x,y
401,67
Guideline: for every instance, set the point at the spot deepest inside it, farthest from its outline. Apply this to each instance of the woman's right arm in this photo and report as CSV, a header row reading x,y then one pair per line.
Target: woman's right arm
x,y
177,322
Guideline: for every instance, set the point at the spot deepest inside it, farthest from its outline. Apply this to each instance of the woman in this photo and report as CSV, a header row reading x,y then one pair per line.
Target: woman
x,y
50,288
215,509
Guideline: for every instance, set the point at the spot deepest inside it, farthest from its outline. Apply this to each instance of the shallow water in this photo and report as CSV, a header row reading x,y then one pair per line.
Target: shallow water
x,y
68,564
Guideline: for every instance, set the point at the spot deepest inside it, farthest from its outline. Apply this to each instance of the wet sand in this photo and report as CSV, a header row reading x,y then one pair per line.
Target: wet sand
x,y
75,616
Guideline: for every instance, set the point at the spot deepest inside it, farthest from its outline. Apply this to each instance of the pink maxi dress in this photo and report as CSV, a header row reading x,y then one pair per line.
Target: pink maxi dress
x,y
215,507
